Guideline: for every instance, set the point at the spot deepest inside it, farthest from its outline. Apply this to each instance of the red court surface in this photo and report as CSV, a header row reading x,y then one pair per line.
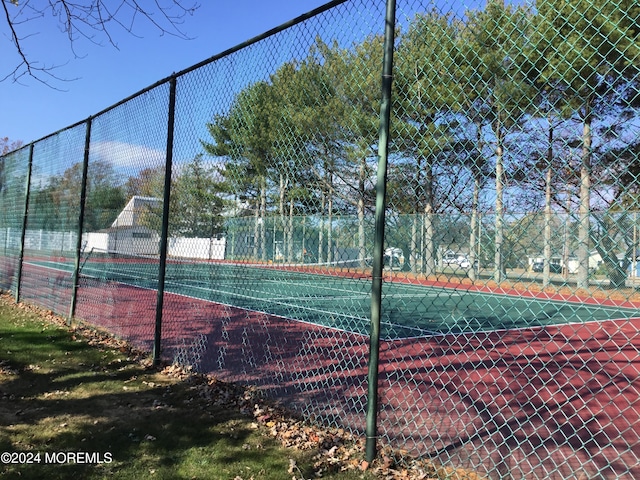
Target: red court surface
x,y
555,402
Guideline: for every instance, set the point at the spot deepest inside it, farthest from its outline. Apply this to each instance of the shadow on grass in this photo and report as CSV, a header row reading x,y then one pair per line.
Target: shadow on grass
x,y
62,395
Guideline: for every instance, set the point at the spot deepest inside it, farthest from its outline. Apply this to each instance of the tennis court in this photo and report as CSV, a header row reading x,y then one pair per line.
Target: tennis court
x,y
465,374
329,296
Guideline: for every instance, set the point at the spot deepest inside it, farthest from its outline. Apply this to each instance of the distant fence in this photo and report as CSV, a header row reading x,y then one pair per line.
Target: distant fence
x,y
446,262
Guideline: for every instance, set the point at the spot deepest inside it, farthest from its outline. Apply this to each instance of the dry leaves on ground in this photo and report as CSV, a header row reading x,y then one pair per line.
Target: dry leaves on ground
x,y
336,449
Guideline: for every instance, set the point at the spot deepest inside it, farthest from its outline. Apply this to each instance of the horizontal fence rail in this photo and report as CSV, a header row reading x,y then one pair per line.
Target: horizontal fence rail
x,y
225,219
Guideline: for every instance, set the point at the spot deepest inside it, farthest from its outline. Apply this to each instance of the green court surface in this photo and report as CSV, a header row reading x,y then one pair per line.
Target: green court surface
x,y
339,300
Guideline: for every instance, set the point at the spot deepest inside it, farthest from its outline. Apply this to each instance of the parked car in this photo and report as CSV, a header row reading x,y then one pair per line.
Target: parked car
x,y
457,260
450,258
464,262
553,267
393,258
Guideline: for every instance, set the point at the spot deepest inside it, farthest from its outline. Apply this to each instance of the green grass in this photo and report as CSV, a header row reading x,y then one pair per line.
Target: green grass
x,y
63,392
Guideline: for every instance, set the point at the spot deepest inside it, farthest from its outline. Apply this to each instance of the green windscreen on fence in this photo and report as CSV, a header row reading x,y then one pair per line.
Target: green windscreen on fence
x,y
14,174
53,216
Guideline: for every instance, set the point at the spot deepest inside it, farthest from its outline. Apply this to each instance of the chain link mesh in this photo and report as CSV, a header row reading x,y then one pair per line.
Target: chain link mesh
x,y
509,329
51,232
511,191
14,173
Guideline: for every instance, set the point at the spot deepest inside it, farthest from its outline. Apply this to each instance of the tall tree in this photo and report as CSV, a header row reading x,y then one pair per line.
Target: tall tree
x,y
244,137
589,53
196,203
355,73
308,138
105,195
317,113
426,93
149,182
496,89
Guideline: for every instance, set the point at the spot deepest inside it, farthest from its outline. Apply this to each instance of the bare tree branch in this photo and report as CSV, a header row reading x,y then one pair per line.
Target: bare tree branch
x,y
96,21
7,145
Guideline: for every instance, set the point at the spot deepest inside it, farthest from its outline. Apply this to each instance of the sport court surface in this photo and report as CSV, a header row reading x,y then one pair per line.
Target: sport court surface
x,y
536,387
341,299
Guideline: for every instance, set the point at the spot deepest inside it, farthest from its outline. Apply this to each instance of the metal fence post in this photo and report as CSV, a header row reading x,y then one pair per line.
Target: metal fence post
x,y
25,212
83,196
378,249
157,344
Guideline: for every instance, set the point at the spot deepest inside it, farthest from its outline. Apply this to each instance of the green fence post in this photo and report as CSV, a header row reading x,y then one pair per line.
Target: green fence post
x,y
23,233
83,196
157,344
378,248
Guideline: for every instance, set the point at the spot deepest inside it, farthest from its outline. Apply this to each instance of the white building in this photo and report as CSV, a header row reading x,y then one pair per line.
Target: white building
x,y
128,234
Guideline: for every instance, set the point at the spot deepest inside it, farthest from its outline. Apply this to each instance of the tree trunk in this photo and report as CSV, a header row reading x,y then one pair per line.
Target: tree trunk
x,y
290,232
428,250
547,213
361,214
499,234
321,229
474,235
256,229
263,214
585,202
330,229
413,256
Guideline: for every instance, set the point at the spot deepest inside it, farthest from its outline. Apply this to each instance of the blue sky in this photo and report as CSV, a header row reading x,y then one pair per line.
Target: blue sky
x,y
104,75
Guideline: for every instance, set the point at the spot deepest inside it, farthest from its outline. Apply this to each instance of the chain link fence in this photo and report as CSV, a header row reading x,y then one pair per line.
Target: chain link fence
x,y
508,324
